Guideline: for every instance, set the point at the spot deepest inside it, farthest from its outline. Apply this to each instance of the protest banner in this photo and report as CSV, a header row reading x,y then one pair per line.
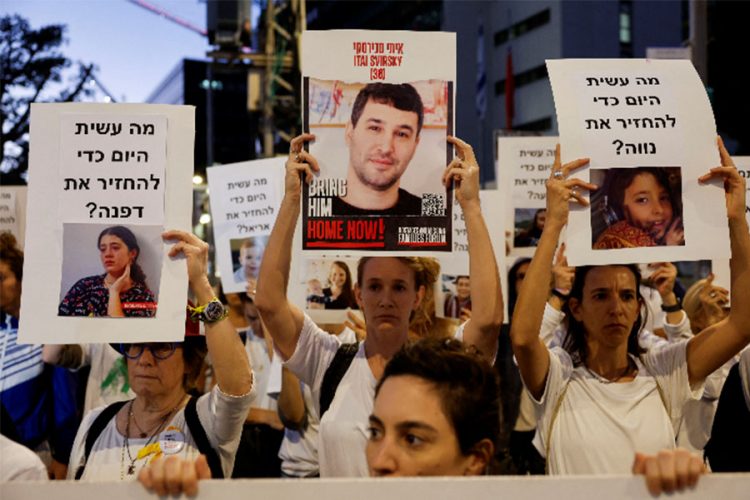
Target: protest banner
x,y
104,182
245,199
380,116
523,166
13,211
648,129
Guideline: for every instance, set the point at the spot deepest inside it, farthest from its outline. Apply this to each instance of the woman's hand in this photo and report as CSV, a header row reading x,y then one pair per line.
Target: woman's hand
x,y
356,324
561,190
464,171
299,161
669,470
734,183
663,279
195,251
714,301
675,235
562,274
174,475
121,284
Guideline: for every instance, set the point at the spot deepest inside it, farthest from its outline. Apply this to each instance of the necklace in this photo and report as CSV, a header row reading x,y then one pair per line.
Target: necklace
x,y
132,415
605,380
126,441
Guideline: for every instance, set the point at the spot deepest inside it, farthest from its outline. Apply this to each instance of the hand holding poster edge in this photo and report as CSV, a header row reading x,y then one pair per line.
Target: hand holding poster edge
x,y
734,183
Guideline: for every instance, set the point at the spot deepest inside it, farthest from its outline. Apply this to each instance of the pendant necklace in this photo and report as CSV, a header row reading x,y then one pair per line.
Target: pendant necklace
x,y
126,442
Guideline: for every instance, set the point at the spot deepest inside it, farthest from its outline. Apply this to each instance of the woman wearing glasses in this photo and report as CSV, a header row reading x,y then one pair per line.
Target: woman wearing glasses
x,y
116,441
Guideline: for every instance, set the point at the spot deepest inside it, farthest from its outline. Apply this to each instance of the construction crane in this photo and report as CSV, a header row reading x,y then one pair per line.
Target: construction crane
x,y
170,17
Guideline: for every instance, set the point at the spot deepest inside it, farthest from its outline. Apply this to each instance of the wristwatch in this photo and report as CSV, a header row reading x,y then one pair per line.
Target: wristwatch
x,y
211,312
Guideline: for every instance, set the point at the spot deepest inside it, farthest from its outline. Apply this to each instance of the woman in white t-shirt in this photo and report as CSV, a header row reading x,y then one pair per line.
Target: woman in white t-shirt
x,y
388,290
600,398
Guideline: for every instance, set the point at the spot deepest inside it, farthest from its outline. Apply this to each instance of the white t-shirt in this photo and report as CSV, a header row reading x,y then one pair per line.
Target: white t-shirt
x,y
343,428
600,426
299,449
18,463
107,378
221,415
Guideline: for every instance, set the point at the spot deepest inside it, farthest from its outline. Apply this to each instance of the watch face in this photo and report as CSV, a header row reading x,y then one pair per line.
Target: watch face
x,y
214,311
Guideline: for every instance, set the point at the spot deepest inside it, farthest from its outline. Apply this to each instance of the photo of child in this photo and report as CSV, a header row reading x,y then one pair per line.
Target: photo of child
x,y
637,207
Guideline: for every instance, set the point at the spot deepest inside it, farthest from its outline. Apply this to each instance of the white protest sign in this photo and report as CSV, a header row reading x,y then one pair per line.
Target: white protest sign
x,y
9,216
457,264
245,198
648,128
380,117
104,182
113,167
523,166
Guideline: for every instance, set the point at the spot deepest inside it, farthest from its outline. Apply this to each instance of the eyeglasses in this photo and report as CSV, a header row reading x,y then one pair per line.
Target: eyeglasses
x,y
159,350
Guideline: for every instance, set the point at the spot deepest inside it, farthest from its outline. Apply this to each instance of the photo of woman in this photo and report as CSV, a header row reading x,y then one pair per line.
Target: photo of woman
x,y
528,233
121,291
339,293
637,207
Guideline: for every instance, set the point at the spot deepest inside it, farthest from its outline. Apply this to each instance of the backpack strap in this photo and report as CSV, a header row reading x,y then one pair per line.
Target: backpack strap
x,y
201,439
334,373
97,426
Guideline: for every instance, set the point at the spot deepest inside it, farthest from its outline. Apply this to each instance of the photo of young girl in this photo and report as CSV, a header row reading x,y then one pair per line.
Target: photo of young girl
x,y
637,207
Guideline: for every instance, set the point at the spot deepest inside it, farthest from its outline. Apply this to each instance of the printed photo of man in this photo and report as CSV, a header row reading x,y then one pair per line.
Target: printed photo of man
x,y
381,136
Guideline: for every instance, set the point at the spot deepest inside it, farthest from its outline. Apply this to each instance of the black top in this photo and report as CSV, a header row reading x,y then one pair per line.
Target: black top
x,y
339,302
407,204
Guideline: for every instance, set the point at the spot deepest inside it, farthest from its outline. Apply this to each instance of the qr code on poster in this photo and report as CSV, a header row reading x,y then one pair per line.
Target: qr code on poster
x,y
433,204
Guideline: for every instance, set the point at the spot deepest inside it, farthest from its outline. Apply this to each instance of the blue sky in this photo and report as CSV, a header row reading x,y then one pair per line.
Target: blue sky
x,y
133,47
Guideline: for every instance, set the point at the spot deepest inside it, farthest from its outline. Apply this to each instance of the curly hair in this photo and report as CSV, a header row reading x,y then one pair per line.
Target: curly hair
x,y
11,254
468,387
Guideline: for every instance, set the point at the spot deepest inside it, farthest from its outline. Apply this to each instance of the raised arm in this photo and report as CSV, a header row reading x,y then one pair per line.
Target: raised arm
x,y
282,319
531,353
715,345
483,328
228,356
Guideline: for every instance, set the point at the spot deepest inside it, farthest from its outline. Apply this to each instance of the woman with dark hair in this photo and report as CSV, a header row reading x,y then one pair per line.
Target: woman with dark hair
x,y
529,237
600,398
121,291
436,412
642,208
339,294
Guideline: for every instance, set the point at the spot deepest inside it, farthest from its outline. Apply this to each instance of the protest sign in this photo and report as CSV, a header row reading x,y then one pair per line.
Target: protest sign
x,y
454,268
13,211
523,166
245,198
104,182
648,128
380,116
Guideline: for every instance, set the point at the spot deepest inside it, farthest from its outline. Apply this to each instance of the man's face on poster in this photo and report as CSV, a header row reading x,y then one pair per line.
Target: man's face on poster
x,y
382,144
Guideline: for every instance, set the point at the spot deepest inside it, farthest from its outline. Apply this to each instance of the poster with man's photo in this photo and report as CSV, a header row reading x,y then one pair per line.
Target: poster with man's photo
x,y
380,117
649,132
105,181
245,199
523,166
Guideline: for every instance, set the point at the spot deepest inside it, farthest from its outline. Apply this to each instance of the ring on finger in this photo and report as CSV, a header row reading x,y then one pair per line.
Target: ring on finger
x,y
296,157
557,174
712,295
